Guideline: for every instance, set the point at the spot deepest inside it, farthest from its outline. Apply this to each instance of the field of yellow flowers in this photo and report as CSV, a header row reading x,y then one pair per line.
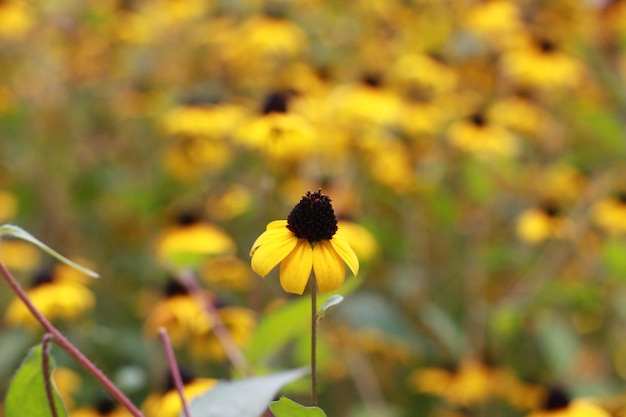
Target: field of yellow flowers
x,y
474,152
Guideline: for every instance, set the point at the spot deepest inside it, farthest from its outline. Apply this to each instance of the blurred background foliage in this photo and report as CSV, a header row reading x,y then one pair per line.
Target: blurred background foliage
x,y
474,151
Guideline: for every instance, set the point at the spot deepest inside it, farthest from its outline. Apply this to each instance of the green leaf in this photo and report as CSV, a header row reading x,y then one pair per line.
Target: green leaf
x,y
288,408
17,232
284,324
329,304
559,344
27,392
248,397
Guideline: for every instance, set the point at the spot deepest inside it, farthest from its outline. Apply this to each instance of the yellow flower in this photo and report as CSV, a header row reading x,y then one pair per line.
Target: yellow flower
x,y
477,136
18,255
610,214
168,404
240,323
8,206
192,238
68,384
558,404
54,298
307,240
278,133
470,384
16,18
539,63
104,408
540,223
360,239
226,272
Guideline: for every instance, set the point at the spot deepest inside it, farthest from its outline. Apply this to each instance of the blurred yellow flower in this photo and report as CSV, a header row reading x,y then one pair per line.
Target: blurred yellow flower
x,y
278,133
16,18
226,272
56,299
8,203
240,323
68,384
471,383
104,408
179,313
537,224
192,237
188,157
229,203
307,241
610,214
481,138
211,121
168,404
558,404
539,63
497,22
18,255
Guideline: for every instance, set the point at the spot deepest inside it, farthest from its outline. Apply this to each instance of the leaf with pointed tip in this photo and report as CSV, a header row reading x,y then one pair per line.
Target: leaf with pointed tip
x,y
288,408
18,232
332,302
27,391
248,397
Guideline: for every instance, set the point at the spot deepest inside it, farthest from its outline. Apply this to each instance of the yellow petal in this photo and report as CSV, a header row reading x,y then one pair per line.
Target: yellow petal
x,y
276,224
343,249
270,234
328,266
296,268
271,248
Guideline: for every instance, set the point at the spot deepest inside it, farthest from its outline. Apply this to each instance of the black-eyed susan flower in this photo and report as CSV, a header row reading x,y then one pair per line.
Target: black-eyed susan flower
x,y
240,322
191,239
278,133
227,272
475,134
307,241
558,404
8,205
167,403
16,18
537,224
55,298
178,312
540,63
103,408
20,256
471,383
190,326
610,214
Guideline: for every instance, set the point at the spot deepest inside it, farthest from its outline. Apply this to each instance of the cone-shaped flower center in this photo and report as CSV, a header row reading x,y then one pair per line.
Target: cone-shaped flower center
x,y
557,399
313,218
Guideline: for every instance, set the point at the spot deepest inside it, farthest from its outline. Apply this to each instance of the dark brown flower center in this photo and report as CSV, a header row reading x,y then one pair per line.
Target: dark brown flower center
x,y
557,399
313,218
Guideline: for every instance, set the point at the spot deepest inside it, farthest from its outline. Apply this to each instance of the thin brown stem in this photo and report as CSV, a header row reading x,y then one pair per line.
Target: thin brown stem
x,y
45,365
313,341
233,352
72,350
171,360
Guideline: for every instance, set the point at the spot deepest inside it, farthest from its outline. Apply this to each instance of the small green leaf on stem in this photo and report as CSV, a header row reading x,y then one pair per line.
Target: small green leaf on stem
x,y
27,392
332,302
18,232
288,408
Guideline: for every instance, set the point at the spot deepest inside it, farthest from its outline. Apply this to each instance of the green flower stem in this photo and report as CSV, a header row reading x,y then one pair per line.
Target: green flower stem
x,y
171,359
313,341
72,350
45,365
188,279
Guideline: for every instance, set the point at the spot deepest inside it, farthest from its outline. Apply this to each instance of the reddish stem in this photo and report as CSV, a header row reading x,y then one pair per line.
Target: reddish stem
x,y
45,364
69,347
171,359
